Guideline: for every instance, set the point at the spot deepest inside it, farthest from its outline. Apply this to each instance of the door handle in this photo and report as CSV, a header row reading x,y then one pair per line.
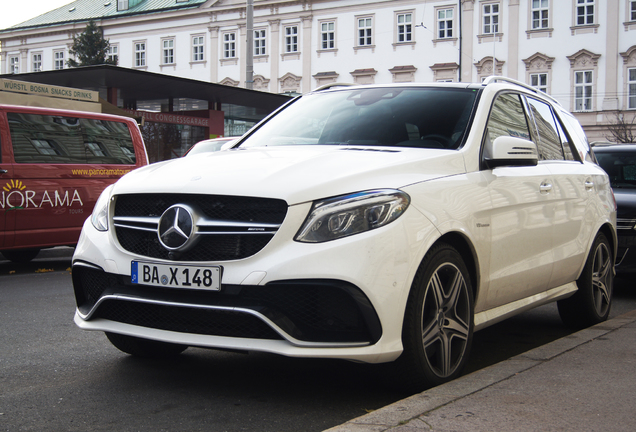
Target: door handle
x,y
3,171
545,188
589,185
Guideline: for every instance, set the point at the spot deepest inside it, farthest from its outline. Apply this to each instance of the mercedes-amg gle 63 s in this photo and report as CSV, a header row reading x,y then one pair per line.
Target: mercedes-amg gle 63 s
x,y
379,224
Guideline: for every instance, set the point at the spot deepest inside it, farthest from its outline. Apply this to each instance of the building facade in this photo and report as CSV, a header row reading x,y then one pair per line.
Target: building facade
x,y
582,52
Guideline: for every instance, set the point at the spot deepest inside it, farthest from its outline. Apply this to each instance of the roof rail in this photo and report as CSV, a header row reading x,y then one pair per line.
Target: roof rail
x,y
496,78
601,143
332,85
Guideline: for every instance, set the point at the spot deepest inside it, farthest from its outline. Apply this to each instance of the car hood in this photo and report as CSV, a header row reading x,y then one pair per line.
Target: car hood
x,y
626,203
295,174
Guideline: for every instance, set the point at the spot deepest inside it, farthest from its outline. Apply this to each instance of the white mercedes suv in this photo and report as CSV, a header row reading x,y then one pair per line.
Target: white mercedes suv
x,y
379,224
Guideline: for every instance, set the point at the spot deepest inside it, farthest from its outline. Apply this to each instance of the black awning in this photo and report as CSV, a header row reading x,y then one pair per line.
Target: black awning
x,y
141,85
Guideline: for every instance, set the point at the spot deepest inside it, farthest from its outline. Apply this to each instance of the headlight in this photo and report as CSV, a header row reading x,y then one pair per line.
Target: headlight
x,y
99,218
346,215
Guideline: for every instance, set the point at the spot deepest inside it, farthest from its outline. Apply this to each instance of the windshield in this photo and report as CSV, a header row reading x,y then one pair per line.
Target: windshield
x,y
395,117
621,168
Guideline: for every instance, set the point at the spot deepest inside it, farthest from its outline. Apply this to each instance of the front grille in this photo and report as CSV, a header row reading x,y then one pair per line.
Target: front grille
x,y
307,310
625,224
186,319
210,248
237,227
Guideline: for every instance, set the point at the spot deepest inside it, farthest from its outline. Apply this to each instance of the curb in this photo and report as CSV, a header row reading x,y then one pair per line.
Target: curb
x,y
405,413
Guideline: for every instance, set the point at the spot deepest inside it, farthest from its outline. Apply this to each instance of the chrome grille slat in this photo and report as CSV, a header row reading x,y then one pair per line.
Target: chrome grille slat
x,y
625,224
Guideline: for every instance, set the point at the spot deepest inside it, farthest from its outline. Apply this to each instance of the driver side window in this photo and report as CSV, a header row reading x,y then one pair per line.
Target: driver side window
x,y
507,118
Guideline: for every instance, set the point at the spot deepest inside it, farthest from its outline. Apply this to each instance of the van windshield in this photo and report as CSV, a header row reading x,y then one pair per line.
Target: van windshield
x,y
43,138
386,116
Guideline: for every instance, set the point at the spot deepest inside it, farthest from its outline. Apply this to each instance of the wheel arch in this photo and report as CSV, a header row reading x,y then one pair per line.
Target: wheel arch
x,y
468,253
611,235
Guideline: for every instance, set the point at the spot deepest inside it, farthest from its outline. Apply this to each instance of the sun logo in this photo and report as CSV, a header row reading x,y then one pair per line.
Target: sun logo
x,y
14,184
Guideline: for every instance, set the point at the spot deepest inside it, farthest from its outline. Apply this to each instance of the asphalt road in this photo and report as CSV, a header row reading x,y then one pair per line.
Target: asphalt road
x,y
54,377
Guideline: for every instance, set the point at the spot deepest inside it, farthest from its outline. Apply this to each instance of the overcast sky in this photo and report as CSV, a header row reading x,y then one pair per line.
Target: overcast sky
x,y
17,11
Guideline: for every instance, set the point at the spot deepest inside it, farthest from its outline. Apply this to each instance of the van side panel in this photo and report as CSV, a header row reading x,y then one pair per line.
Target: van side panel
x,y
6,172
58,163
48,204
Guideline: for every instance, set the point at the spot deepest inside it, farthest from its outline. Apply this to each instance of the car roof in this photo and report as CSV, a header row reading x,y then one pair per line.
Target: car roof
x,y
614,148
493,81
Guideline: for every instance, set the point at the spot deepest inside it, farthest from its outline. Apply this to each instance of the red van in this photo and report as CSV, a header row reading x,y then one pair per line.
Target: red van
x,y
53,166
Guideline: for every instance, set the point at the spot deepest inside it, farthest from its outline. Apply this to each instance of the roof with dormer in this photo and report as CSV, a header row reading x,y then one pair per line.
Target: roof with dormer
x,y
84,10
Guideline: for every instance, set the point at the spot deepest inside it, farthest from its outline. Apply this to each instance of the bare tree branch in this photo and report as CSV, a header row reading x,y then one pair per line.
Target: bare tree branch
x,y
621,128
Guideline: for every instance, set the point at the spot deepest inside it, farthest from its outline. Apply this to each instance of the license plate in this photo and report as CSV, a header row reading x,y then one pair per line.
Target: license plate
x,y
192,277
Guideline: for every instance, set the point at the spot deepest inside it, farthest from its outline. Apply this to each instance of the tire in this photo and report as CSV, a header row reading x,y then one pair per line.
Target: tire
x,y
592,302
438,324
20,256
146,348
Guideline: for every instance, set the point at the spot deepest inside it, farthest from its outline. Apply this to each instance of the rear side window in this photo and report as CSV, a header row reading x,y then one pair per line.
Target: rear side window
x,y
576,133
549,142
39,138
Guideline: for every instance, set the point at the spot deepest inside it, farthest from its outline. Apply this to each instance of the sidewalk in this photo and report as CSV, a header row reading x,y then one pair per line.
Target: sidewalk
x,y
582,382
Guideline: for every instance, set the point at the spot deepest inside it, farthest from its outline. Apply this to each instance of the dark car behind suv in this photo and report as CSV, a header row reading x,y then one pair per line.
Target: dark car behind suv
x,y
619,161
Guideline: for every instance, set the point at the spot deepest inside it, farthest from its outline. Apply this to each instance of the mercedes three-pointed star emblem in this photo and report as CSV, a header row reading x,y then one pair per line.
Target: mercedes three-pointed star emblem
x,y
176,227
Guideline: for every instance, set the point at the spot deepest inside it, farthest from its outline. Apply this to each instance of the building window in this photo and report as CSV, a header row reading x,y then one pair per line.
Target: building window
x,y
540,14
14,64
404,27
583,90
140,54
491,18
36,62
58,60
291,39
112,54
631,86
538,67
584,12
122,5
632,10
444,23
168,51
445,72
403,74
365,31
198,48
328,35
229,45
539,81
260,40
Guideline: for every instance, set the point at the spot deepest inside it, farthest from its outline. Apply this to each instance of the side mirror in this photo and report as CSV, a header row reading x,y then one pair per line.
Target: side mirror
x,y
510,151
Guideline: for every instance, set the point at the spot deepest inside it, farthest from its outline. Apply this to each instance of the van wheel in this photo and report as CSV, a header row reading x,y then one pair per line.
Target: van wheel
x,y
144,347
592,302
438,322
20,256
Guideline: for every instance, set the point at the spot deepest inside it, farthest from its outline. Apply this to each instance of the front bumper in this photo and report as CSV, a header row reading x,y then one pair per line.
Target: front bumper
x,y
626,253
307,313
340,299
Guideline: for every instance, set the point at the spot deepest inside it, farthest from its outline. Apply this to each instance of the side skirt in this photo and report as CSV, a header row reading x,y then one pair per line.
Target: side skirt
x,y
500,313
